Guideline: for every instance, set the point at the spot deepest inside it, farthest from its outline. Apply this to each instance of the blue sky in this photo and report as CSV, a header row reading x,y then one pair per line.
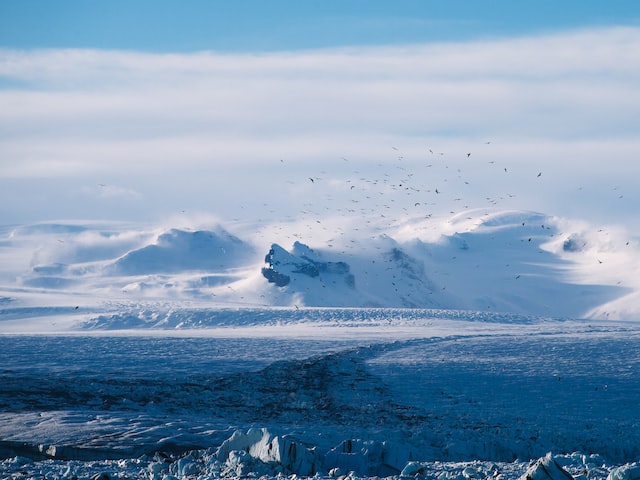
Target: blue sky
x,y
145,110
254,25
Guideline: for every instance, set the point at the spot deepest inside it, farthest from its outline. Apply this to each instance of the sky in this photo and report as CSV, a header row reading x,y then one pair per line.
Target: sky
x,y
256,111
251,25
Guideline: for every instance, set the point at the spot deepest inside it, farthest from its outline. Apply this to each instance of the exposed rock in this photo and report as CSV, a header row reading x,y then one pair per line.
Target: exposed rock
x,y
301,261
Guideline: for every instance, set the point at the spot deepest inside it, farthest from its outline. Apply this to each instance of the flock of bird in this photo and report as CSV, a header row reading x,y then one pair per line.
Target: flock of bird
x,y
350,202
389,192
360,194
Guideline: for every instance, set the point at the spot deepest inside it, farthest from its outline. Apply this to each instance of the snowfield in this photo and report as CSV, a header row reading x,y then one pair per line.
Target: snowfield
x,y
498,344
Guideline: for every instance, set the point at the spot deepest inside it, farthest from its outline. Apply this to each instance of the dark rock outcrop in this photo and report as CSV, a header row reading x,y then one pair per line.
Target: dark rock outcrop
x,y
303,261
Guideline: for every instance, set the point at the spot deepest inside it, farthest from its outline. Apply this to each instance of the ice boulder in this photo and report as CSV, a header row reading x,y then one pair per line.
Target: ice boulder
x,y
367,457
412,469
354,456
282,453
240,462
631,471
239,440
546,468
186,466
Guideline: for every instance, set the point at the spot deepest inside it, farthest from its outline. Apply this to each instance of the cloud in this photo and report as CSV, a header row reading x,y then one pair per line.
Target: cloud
x,y
189,126
112,191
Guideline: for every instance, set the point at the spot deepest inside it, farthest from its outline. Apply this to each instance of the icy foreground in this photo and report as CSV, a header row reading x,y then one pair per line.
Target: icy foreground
x,y
326,392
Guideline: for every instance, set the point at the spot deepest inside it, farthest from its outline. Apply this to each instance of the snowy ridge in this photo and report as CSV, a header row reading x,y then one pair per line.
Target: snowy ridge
x,y
494,261
178,250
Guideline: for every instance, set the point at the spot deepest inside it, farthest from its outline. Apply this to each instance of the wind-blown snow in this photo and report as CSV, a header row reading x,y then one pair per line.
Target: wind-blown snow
x,y
481,260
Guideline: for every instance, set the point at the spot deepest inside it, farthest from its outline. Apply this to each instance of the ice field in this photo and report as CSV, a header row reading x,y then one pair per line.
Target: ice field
x,y
373,392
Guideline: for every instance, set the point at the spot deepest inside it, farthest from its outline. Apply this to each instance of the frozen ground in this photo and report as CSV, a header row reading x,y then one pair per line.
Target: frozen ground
x,y
370,391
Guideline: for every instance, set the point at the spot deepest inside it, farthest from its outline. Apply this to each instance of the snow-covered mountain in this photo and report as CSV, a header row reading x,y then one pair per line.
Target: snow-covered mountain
x,y
504,261
179,250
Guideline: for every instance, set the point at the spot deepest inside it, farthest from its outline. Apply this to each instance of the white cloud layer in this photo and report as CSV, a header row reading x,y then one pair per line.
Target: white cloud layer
x,y
241,134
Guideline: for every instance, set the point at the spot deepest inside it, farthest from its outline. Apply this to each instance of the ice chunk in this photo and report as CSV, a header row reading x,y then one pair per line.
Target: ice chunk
x,y
281,452
239,441
546,468
367,457
412,469
630,471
